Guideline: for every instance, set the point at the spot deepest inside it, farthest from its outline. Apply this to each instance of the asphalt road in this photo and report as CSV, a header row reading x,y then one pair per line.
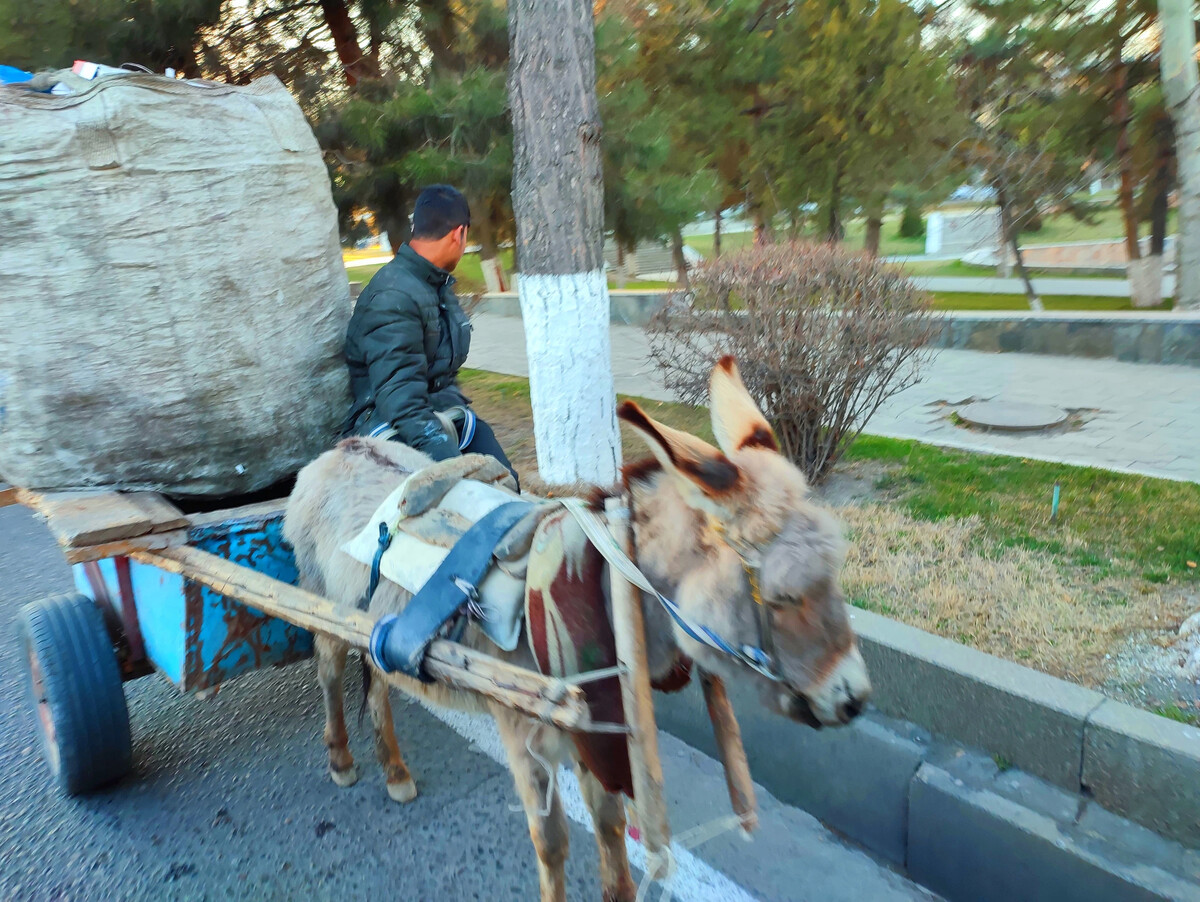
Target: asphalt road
x,y
230,801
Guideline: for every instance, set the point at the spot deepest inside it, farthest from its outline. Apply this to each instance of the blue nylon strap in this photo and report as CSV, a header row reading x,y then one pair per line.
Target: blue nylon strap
x,y
399,641
385,542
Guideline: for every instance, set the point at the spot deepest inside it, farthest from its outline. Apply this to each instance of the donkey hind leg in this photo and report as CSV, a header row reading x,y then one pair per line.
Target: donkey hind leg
x,y
331,667
608,818
547,823
400,785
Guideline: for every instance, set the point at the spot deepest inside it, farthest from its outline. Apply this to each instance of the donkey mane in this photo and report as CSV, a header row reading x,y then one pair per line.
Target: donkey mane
x,y
642,470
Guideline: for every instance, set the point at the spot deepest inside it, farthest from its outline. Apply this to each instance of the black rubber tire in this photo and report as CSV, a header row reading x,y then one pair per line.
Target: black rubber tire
x,y
75,694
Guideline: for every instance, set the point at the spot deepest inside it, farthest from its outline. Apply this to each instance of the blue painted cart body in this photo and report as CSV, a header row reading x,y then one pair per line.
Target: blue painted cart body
x,y
196,637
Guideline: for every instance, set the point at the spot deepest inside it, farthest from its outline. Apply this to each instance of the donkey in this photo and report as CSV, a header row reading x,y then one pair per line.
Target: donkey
x,y
730,535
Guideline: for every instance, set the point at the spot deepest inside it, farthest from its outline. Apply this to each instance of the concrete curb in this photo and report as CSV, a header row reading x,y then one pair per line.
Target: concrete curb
x,y
1069,795
1138,765
1025,717
1146,767
1162,338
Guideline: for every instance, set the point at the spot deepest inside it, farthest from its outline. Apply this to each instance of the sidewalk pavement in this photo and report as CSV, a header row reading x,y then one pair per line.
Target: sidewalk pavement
x,y
1137,418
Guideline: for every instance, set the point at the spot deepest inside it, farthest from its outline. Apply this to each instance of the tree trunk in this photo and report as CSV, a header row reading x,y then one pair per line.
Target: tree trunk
x,y
764,232
1013,236
631,263
717,235
1180,80
681,265
489,255
396,224
874,226
1145,283
345,42
1161,185
833,229
558,199
437,25
1153,263
620,275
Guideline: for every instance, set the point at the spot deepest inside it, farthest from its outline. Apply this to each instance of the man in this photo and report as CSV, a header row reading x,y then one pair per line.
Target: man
x,y
408,338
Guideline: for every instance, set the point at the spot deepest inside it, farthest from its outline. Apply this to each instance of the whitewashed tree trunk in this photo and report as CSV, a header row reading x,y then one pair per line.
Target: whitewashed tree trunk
x,y
1180,79
1145,280
559,206
631,265
493,275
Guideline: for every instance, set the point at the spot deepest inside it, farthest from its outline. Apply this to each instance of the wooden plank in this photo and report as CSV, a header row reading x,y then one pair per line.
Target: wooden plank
x,y
79,519
162,514
548,699
733,753
9,495
630,631
126,547
262,510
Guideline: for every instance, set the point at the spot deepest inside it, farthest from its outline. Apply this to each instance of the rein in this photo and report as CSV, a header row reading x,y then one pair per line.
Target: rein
x,y
759,658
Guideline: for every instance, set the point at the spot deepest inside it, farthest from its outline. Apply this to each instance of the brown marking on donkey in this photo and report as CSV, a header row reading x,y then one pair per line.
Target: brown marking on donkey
x,y
693,510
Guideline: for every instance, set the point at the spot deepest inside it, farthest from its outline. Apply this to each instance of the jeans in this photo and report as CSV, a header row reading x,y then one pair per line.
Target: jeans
x,y
484,442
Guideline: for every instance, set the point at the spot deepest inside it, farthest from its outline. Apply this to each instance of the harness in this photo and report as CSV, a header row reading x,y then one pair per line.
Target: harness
x,y
760,658
399,641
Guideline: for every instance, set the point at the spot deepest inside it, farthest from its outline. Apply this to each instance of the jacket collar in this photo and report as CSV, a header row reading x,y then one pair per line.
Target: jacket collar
x,y
422,268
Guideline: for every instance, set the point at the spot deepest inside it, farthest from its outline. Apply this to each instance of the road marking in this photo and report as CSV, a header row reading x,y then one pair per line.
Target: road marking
x,y
693,880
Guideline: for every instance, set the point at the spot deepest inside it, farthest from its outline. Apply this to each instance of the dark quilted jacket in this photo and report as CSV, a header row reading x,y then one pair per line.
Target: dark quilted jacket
x,y
406,341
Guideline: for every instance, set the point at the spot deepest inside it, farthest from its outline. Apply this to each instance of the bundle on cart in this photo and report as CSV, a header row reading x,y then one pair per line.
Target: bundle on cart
x,y
172,296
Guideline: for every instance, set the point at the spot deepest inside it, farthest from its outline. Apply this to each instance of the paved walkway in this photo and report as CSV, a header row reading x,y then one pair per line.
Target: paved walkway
x,y
1137,418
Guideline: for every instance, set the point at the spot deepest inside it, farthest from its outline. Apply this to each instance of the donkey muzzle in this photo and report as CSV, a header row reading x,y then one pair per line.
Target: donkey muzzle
x,y
843,694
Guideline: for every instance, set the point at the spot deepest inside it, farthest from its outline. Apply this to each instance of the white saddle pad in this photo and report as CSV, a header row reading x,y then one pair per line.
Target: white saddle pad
x,y
410,562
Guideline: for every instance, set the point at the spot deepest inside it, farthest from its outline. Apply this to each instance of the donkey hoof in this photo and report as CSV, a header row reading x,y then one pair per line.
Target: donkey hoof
x,y
402,792
344,778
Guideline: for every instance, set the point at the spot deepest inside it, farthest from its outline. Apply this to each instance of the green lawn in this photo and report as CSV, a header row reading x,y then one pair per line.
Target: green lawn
x,y
967,270
469,272
889,242
730,241
949,300
1056,228
942,301
1152,524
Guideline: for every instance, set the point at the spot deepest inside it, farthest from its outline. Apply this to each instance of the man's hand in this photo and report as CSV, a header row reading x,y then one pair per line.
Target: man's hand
x,y
436,442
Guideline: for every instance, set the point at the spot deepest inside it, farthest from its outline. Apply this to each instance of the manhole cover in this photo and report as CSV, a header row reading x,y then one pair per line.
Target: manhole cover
x,y
1012,416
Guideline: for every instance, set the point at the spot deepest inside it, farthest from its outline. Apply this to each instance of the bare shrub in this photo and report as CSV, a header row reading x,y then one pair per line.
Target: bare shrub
x,y
822,336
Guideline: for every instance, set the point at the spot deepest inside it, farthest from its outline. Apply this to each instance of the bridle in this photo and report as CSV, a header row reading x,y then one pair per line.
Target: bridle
x,y
765,661
759,658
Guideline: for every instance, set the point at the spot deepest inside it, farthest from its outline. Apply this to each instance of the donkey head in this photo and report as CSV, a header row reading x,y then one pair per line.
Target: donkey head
x,y
732,534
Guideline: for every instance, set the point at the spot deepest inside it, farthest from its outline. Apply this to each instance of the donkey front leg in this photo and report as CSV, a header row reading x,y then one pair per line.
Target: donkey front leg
x,y
400,785
608,818
547,825
331,667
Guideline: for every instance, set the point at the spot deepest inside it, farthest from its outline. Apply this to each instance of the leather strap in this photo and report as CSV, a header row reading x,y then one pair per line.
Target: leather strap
x,y
399,641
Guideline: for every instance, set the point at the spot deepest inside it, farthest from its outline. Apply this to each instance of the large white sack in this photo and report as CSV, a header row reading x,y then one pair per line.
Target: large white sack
x,y
173,303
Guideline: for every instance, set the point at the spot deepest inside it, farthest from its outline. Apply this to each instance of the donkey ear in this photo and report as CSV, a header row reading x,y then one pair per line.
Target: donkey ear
x,y
684,455
736,420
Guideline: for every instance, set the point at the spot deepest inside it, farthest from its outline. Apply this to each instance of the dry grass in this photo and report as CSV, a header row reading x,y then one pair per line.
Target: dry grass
x,y
1023,604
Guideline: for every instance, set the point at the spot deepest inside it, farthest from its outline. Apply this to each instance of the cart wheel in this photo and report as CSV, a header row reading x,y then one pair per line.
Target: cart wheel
x,y
75,691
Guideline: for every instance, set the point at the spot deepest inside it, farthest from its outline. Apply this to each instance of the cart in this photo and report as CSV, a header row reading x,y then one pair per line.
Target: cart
x,y
204,598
